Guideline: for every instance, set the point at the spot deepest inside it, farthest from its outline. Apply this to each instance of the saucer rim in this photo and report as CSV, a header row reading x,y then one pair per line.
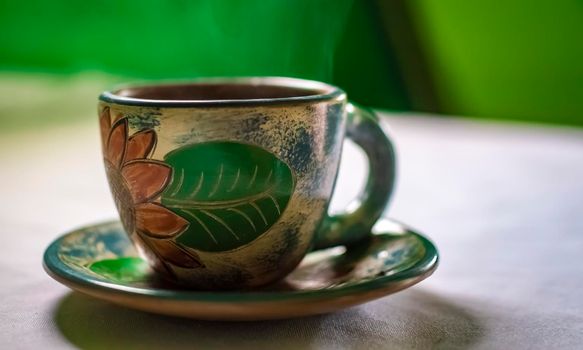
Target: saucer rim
x,y
61,272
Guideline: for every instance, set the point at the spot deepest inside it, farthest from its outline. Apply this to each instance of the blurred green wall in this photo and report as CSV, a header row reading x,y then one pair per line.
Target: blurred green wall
x,y
496,59
88,46
174,39
506,59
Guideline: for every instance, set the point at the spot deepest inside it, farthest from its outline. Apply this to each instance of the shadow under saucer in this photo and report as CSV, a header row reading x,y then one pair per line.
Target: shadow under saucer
x,y
413,319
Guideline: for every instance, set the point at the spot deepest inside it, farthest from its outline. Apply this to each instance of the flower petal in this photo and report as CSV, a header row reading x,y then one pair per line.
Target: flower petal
x,y
173,253
116,143
158,222
146,179
141,144
104,125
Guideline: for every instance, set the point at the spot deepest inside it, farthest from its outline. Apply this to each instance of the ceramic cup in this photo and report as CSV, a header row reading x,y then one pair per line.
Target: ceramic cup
x,y
225,183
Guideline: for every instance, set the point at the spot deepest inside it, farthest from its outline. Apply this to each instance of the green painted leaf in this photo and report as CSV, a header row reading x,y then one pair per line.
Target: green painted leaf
x,y
231,193
126,270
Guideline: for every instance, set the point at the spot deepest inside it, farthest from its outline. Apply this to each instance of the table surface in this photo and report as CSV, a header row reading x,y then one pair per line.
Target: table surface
x,y
503,203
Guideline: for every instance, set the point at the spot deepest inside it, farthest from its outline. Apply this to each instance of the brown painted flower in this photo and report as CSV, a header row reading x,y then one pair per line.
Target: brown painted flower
x,y
136,182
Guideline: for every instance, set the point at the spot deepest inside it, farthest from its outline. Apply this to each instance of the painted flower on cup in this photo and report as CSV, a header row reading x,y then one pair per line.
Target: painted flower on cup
x,y
136,182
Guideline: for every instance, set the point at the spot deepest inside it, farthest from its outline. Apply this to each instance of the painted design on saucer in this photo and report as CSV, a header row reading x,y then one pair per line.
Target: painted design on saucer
x,y
136,182
100,261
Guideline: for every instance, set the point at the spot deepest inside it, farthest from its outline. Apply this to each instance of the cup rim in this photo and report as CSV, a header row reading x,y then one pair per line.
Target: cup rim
x,y
324,92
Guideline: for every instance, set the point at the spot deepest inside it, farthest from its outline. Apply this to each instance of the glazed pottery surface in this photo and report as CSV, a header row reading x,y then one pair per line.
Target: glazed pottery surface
x,y
101,261
225,184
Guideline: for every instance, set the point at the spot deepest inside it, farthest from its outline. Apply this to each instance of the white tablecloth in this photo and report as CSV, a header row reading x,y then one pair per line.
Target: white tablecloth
x,y
503,203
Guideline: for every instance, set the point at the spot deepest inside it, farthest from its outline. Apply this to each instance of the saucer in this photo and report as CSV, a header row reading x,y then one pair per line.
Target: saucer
x,y
101,262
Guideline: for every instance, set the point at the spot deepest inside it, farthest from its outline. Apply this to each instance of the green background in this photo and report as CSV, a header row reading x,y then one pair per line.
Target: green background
x,y
507,59
518,60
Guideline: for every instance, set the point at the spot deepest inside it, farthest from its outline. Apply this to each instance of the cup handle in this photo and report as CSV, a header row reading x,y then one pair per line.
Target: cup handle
x,y
356,223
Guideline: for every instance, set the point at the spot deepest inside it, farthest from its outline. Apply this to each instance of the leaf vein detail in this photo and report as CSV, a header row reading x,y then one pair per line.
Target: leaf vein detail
x,y
275,202
260,212
179,185
192,215
236,181
220,221
198,186
216,204
252,181
244,216
218,183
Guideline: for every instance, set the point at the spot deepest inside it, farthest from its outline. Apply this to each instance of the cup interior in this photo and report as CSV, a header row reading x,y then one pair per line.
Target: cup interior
x,y
225,91
214,92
